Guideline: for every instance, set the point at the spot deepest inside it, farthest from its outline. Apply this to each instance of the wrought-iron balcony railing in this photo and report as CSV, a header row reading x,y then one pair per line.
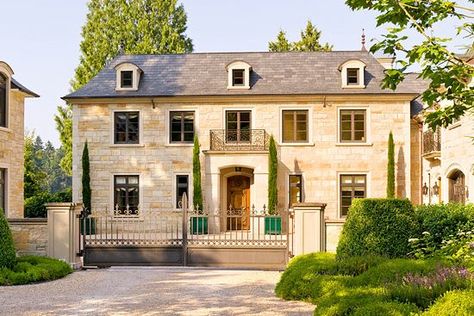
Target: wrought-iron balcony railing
x,y
432,143
239,140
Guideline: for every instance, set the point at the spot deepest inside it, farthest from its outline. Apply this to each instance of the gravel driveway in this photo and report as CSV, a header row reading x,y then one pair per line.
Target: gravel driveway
x,y
152,291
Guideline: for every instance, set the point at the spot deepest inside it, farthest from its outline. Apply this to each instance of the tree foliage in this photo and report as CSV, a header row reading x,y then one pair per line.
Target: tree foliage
x,y
137,27
309,41
272,177
391,168
42,167
197,190
448,74
86,179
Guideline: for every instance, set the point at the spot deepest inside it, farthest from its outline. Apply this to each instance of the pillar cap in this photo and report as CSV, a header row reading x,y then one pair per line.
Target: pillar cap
x,y
309,204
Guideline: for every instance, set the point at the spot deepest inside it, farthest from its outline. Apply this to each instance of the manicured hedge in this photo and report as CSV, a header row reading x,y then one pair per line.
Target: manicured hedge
x,y
443,220
454,303
7,248
377,227
31,269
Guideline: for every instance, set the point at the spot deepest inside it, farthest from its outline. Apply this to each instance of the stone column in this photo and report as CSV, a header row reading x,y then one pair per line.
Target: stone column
x,y
63,232
310,234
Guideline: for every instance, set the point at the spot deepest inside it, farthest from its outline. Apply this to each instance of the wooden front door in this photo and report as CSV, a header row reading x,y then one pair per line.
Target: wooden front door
x,y
238,200
457,188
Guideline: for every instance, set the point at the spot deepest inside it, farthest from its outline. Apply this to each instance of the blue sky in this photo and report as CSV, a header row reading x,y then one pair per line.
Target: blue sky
x,y
40,38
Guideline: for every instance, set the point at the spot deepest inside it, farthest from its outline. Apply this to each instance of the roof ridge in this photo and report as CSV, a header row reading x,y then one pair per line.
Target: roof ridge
x,y
245,52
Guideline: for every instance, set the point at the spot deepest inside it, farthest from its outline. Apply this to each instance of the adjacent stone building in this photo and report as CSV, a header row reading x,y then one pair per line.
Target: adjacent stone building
x,y
12,107
326,111
448,160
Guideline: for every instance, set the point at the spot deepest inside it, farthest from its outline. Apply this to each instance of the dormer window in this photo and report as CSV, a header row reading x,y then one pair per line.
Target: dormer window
x,y
238,75
353,74
127,77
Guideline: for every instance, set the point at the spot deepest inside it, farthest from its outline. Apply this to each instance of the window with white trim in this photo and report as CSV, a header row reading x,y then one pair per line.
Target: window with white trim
x,y
353,126
126,194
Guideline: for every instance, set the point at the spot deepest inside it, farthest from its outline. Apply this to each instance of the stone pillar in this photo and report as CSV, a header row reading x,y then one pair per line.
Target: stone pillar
x,y
309,231
63,232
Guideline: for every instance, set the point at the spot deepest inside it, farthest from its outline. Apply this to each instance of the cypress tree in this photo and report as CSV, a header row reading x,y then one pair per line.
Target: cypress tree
x,y
86,179
391,168
7,248
197,190
309,42
272,177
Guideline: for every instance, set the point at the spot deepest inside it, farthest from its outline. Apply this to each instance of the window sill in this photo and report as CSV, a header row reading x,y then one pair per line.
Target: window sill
x,y
127,145
354,144
238,87
179,145
353,87
6,129
296,144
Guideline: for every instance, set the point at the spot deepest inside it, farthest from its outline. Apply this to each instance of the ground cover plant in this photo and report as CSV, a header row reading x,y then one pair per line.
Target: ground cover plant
x,y
27,269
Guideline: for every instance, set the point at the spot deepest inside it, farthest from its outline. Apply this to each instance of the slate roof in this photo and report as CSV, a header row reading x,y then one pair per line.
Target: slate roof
x,y
15,84
204,74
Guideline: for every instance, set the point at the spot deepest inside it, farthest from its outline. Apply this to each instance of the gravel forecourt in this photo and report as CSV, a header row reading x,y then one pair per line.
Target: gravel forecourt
x,y
152,291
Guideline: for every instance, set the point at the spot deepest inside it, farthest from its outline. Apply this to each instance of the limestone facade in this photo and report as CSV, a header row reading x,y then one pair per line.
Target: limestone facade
x,y
12,143
321,161
30,235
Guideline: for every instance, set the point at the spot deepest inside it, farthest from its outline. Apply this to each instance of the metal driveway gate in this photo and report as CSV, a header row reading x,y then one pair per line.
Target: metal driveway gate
x,y
233,238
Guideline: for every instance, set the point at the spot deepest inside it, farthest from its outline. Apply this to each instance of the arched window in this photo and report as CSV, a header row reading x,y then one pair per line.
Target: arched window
x,y
3,100
457,187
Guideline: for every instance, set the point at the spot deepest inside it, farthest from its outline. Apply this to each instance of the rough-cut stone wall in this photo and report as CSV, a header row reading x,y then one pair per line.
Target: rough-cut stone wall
x,y
457,153
11,154
321,161
30,235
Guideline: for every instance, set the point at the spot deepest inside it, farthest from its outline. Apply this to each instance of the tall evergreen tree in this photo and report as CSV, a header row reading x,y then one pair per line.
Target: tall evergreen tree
x,y
86,179
272,177
281,44
391,168
309,42
197,189
139,26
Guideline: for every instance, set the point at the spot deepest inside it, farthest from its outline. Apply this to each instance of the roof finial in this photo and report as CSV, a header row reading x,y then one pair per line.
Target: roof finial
x,y
121,48
363,41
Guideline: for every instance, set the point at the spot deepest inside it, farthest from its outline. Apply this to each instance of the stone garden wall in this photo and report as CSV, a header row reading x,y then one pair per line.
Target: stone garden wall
x,y
30,235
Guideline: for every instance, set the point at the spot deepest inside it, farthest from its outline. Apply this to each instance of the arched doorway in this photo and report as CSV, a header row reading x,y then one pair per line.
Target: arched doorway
x,y
457,187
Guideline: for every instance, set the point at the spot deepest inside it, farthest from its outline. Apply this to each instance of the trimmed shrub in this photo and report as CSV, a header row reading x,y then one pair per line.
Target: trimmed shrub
x,y
453,303
377,227
31,269
378,308
86,179
443,220
272,177
7,248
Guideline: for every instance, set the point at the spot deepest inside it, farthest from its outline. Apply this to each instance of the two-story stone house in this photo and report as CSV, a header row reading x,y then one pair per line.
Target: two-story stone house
x,y
326,111
12,105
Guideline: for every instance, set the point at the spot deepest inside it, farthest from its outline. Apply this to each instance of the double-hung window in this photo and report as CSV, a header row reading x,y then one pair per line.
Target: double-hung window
x,y
295,126
127,128
352,186
126,194
126,79
181,127
353,126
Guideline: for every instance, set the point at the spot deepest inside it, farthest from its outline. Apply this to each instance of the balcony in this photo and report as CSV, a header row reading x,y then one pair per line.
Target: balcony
x,y
239,140
432,144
